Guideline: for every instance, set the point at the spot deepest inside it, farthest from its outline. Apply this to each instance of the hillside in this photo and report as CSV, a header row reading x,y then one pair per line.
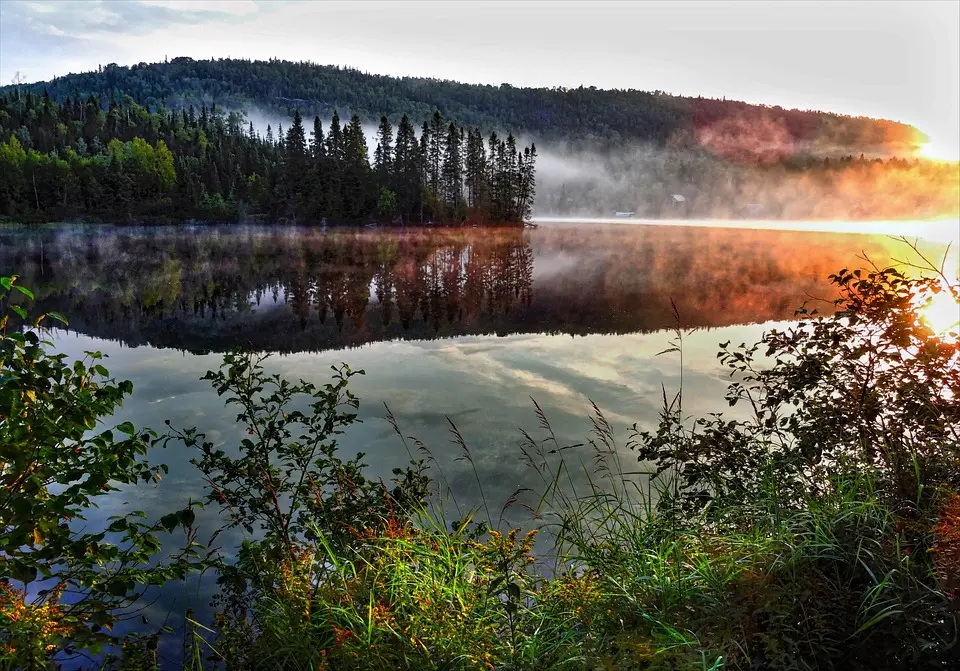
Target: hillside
x,y
653,154
580,114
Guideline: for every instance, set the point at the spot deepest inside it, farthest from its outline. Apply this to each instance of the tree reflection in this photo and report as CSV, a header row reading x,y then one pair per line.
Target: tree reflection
x,y
285,289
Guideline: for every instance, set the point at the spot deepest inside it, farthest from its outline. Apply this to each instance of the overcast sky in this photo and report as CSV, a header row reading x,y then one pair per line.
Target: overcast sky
x,y
898,60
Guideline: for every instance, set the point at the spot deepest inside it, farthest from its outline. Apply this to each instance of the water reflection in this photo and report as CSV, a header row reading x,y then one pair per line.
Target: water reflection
x,y
209,289
460,323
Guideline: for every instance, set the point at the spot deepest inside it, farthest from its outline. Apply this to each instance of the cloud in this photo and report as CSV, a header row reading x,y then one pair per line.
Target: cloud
x,y
49,29
99,19
41,7
234,7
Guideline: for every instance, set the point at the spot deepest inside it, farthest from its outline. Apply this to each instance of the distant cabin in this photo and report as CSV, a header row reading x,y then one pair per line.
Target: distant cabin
x,y
624,214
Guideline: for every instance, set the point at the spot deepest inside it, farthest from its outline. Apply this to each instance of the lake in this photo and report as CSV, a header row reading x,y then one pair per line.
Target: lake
x,y
468,324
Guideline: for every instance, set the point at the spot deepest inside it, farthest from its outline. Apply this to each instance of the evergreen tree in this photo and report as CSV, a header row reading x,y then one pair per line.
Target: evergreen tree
x,y
406,169
295,164
334,168
357,194
70,158
453,172
317,145
435,147
383,155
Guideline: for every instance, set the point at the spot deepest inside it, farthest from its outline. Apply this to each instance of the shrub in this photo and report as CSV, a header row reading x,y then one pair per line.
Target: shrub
x,y
64,584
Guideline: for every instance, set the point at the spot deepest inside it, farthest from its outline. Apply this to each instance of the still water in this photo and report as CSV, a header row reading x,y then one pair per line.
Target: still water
x,y
468,324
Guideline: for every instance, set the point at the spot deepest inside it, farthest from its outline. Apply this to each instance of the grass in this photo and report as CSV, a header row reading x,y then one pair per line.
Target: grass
x,y
824,533
628,582
730,545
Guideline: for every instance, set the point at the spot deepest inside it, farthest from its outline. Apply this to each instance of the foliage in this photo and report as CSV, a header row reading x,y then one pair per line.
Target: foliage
x,y
799,539
870,388
128,162
819,534
287,487
615,115
73,580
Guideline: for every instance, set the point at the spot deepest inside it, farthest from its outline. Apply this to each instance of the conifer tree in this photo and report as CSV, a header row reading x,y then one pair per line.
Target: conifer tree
x,y
334,168
383,155
435,146
134,160
452,171
317,145
407,170
356,170
295,164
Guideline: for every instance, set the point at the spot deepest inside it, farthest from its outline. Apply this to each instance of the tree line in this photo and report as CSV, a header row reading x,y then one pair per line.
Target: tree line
x,y
582,114
124,160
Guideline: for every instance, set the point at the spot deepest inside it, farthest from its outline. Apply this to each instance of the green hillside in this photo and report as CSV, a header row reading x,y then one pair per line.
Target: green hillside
x,y
546,113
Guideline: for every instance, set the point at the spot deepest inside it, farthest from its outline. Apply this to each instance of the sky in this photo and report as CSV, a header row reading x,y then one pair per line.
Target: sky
x,y
889,59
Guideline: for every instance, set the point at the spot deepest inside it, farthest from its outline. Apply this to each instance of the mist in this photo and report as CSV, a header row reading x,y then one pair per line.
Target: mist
x,y
729,170
729,181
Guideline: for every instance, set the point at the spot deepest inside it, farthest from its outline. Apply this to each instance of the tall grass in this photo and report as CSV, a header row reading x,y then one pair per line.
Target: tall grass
x,y
727,546
822,533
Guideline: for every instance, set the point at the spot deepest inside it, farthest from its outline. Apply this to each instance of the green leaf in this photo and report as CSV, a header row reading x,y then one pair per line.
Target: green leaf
x,y
22,572
187,517
117,526
26,292
169,522
56,316
20,311
7,282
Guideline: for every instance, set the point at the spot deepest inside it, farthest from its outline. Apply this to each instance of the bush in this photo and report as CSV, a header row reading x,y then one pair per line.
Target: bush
x,y
63,585
822,533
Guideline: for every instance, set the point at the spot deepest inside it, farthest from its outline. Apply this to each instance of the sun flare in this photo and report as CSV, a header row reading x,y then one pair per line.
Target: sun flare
x,y
942,313
938,151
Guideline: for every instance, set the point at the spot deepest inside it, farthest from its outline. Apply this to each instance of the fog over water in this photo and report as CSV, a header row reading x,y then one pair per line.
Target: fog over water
x,y
945,230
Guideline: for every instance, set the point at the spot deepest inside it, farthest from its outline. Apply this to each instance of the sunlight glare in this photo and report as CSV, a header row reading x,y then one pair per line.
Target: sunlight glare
x,y
942,314
938,151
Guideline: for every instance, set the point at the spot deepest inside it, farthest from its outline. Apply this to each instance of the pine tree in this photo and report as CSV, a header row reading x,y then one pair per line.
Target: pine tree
x,y
317,145
334,168
452,171
435,147
317,174
335,141
526,169
296,141
357,194
383,155
295,164
406,169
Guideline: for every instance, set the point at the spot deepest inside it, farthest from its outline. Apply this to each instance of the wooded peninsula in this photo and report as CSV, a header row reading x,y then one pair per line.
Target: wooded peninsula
x,y
125,161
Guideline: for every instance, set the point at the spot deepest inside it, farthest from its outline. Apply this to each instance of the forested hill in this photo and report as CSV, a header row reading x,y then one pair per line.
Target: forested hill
x,y
579,114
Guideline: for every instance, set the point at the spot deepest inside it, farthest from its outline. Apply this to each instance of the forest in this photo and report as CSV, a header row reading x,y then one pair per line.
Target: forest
x,y
584,114
396,156
121,160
